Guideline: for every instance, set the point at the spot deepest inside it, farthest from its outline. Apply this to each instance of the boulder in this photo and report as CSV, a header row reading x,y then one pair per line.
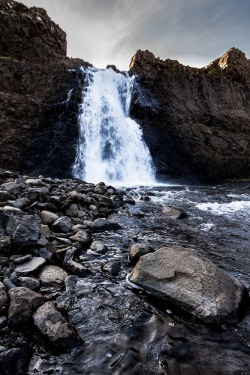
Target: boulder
x,y
76,267
3,296
30,283
62,225
23,302
23,229
137,250
5,196
72,210
52,276
98,247
102,225
5,245
14,361
52,324
83,237
191,282
48,217
31,266
173,213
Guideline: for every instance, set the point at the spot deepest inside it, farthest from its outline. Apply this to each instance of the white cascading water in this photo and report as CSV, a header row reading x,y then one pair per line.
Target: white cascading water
x,y
111,148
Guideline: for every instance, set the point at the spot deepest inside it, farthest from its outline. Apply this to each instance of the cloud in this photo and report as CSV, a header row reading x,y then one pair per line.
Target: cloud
x,y
110,31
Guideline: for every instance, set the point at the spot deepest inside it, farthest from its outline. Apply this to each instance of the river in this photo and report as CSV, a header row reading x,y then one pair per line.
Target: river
x,y
126,331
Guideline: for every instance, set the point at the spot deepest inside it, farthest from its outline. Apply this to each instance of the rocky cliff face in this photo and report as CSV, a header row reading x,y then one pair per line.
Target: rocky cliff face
x,y
38,116
196,121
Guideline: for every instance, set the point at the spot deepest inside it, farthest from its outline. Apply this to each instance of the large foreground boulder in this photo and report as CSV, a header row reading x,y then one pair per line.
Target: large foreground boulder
x,y
191,282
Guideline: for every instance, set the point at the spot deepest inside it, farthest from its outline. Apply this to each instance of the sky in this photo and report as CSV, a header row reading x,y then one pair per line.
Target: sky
x,y
194,32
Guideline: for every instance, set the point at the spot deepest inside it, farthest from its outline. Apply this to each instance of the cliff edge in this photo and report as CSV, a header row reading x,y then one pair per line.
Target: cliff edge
x,y
38,118
195,121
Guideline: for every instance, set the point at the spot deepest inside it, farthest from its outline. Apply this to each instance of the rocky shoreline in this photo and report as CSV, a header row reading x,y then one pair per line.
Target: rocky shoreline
x,y
46,225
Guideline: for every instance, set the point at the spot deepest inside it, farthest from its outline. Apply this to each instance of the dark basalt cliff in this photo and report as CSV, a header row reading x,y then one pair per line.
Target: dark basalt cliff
x,y
195,121
38,118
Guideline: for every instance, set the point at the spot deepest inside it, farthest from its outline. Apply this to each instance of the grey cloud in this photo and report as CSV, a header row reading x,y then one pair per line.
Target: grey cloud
x,y
110,31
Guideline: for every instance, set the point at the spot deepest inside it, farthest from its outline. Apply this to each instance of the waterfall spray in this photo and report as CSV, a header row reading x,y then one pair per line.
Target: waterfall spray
x,y
110,147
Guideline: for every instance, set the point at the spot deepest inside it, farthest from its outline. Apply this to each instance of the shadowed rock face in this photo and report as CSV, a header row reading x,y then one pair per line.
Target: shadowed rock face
x,y
195,121
38,117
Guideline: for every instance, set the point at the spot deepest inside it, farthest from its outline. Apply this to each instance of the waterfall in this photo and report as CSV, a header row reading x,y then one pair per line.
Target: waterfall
x,y
110,148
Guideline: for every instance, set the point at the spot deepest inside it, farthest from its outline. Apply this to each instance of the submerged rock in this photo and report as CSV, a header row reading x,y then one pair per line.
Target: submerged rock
x,y
191,282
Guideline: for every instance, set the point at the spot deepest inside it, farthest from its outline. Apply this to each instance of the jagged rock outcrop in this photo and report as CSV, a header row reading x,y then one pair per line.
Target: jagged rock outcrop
x,y
195,121
40,90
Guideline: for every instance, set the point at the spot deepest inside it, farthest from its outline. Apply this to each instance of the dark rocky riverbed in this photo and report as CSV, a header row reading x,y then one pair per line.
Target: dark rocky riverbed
x,y
114,327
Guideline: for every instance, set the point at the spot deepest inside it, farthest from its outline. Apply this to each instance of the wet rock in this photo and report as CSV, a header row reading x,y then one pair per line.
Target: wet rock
x,y
83,237
86,225
30,283
23,229
98,247
173,213
62,225
8,283
14,361
102,225
76,267
4,261
137,250
34,182
11,186
5,245
52,276
23,259
23,302
20,203
45,230
3,321
31,266
52,324
10,209
48,217
72,210
112,268
3,296
44,253
5,196
191,282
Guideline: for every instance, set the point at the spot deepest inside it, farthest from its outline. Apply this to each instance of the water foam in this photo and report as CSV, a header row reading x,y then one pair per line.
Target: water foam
x,y
215,208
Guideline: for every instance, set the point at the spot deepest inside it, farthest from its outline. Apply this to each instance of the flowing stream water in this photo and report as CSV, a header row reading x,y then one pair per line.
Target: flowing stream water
x,y
128,332
124,330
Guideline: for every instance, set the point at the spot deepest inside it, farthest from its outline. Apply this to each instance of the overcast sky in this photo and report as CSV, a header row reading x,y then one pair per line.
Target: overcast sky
x,y
194,32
